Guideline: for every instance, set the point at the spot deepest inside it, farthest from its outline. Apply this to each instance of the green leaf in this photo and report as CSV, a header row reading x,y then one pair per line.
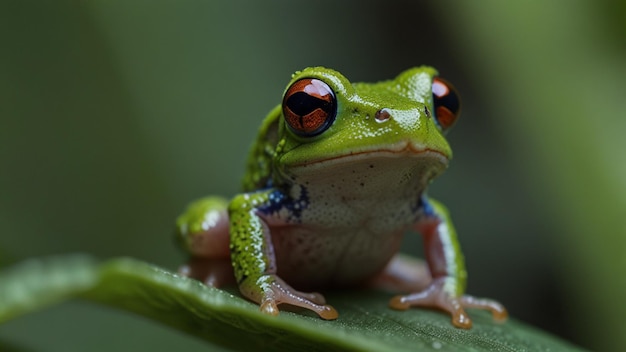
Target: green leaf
x,y
365,322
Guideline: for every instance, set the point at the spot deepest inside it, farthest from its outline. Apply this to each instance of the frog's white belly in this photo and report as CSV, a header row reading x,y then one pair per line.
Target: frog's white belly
x,y
312,259
354,220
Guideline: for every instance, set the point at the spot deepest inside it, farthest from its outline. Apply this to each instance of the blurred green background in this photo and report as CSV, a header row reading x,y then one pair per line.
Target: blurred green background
x,y
115,114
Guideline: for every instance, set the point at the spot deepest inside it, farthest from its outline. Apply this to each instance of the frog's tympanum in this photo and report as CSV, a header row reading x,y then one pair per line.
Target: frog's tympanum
x,y
337,175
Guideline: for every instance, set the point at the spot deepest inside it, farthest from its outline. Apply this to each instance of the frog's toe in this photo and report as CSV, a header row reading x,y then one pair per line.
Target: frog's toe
x,y
328,313
498,312
283,293
461,320
399,303
314,297
270,307
434,297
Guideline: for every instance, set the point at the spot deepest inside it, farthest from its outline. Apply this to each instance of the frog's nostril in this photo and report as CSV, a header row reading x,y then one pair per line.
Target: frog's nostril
x,y
382,115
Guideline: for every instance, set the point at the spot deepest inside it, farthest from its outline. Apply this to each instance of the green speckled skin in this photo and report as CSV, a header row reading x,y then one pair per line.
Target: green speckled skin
x,y
330,209
248,246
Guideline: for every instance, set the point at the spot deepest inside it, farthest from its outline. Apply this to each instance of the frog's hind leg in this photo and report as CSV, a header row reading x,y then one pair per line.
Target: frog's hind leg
x,y
403,274
203,231
446,265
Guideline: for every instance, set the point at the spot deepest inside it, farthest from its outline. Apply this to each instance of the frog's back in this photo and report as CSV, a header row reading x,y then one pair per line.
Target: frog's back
x,y
259,163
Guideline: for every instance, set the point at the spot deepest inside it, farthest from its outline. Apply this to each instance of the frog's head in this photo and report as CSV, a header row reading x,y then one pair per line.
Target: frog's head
x,y
326,121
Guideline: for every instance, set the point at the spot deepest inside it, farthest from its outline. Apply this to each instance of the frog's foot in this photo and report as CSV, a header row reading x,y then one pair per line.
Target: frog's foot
x,y
269,291
403,274
213,272
436,296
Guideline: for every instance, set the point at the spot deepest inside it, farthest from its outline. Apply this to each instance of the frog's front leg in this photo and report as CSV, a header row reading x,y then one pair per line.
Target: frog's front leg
x,y
447,268
254,262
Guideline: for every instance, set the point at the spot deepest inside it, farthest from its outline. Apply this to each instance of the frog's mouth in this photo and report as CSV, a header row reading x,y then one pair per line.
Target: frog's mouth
x,y
404,149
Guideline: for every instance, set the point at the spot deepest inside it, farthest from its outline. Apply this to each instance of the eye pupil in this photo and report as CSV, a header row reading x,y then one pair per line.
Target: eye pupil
x,y
309,107
447,103
303,104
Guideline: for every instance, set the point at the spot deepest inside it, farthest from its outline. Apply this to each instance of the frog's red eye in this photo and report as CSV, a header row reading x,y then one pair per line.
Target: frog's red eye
x,y
309,107
446,102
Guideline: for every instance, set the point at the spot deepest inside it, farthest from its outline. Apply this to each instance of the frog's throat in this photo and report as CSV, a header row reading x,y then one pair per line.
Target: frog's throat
x,y
403,149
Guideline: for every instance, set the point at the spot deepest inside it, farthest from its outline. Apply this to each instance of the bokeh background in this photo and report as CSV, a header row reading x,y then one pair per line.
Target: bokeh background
x,y
115,114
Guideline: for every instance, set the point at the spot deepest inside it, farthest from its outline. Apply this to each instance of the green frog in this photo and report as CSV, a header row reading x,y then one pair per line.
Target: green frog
x,y
337,175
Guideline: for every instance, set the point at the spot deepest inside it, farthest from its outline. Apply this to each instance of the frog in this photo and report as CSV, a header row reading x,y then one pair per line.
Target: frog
x,y
337,175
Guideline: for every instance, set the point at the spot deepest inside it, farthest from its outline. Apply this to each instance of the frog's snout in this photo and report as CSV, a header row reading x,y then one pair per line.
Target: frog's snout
x,y
404,119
